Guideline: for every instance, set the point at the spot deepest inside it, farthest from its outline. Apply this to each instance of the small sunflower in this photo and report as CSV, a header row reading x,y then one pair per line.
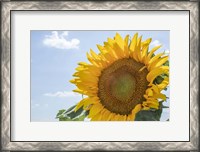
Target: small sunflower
x,y
120,80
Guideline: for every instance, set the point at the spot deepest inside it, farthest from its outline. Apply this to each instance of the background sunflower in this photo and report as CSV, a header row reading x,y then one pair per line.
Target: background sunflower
x,y
123,82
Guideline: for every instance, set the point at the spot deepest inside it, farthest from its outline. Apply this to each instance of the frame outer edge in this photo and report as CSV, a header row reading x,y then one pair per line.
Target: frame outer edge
x,y
194,74
5,76
78,5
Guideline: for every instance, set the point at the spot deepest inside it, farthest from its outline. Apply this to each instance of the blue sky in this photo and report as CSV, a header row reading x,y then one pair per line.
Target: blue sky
x,y
54,57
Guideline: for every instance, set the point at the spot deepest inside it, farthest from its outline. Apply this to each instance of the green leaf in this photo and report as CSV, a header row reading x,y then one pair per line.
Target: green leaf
x,y
149,115
60,112
165,107
80,118
87,113
158,80
74,114
70,109
71,115
64,119
166,63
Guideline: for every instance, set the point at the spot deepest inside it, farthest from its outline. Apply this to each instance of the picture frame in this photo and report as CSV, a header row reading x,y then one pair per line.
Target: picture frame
x,y
7,22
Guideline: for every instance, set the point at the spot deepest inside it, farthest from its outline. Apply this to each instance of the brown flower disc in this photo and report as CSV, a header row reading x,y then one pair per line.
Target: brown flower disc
x,y
122,86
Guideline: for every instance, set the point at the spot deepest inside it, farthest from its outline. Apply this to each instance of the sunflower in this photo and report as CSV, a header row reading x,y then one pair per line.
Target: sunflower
x,y
120,80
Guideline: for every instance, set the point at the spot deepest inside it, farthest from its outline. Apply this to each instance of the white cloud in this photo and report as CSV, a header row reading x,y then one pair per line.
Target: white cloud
x,y
155,43
62,94
167,51
37,105
65,33
60,41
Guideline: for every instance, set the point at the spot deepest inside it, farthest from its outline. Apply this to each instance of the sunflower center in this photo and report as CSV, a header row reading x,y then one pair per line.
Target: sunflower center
x,y
122,85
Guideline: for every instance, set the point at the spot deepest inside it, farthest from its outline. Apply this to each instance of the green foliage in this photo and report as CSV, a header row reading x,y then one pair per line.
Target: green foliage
x,y
80,115
150,115
71,115
60,112
158,80
71,108
166,63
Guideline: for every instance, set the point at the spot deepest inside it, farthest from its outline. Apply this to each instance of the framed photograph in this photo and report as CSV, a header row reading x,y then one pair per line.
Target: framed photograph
x,y
104,75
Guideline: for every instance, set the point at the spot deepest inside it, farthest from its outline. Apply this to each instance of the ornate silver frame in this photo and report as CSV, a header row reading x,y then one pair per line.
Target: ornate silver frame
x,y
8,6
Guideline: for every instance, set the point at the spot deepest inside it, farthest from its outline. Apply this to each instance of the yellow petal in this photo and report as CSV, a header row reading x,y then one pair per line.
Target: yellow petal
x,y
137,52
111,42
128,118
152,103
149,92
113,46
138,49
72,81
155,57
101,113
145,96
119,41
111,116
137,108
155,88
124,117
158,62
146,42
116,117
106,115
87,88
145,108
109,58
101,49
160,96
131,117
164,83
92,60
133,44
80,91
111,51
144,52
120,117
151,53
86,76
153,50
96,117
86,84
79,68
94,55
89,101
118,51
126,49
156,72
142,68
82,63
94,70
95,109
80,104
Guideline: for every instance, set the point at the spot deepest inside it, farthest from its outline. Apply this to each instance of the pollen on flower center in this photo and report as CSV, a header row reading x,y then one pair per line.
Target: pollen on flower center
x,y
122,85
